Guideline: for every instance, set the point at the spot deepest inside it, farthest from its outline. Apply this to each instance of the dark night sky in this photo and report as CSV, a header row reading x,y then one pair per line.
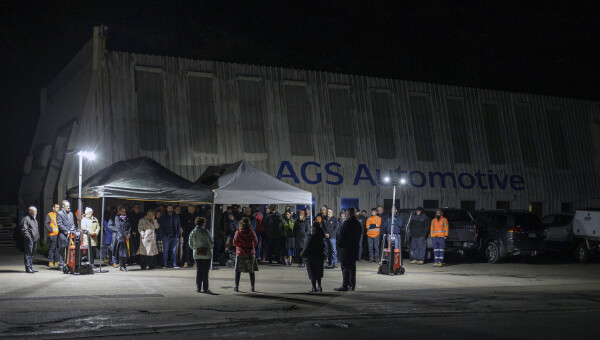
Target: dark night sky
x,y
526,46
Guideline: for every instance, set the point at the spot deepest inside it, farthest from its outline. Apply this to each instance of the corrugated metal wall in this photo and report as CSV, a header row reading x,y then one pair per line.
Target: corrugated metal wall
x,y
420,122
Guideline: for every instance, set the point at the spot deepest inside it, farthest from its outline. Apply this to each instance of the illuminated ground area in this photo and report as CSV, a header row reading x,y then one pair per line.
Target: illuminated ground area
x,y
548,298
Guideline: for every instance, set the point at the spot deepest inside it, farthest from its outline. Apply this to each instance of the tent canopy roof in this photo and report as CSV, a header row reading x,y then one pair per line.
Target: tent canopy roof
x,y
141,179
242,183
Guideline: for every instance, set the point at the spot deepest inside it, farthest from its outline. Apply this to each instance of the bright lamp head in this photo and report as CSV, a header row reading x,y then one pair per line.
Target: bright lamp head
x,y
386,179
403,181
88,155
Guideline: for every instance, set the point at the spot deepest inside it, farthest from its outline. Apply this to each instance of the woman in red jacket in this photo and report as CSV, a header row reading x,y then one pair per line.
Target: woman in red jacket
x,y
244,241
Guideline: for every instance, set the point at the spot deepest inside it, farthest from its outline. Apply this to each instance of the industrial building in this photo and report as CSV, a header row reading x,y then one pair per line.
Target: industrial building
x,y
336,135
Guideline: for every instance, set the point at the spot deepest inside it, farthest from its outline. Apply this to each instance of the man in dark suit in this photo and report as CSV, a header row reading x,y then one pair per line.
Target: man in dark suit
x,y
66,223
348,243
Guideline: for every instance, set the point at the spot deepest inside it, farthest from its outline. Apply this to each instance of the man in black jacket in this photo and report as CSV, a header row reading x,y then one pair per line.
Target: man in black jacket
x,y
66,223
349,240
134,216
187,222
31,236
363,221
419,229
330,225
273,233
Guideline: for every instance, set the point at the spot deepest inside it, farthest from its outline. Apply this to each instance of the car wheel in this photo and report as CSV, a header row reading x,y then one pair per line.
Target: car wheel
x,y
492,252
582,254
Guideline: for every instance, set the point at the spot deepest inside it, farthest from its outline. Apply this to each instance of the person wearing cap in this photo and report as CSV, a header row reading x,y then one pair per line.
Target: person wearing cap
x,y
91,225
439,232
31,236
419,229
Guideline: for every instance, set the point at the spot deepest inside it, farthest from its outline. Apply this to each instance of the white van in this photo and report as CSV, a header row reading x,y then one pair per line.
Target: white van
x,y
586,229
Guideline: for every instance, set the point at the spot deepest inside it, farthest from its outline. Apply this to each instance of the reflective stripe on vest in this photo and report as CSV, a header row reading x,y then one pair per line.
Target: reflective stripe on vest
x,y
374,232
439,228
53,224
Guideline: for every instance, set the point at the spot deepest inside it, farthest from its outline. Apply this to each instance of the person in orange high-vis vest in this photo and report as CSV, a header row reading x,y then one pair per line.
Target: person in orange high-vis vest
x,y
372,225
52,227
439,232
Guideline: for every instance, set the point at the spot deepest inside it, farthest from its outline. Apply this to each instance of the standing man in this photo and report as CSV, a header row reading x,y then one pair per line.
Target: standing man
x,y
258,217
66,223
373,225
322,215
349,240
301,231
363,221
52,227
31,236
439,232
419,229
387,229
134,216
330,225
273,234
171,227
187,221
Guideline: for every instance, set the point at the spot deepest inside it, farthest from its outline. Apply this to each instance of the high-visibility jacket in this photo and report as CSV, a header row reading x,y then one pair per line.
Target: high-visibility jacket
x,y
439,228
372,226
52,226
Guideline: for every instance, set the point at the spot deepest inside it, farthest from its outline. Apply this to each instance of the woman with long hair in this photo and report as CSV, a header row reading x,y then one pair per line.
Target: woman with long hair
x,y
244,241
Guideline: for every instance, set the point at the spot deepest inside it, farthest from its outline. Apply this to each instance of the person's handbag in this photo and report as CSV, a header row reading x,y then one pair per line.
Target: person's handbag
x,y
201,251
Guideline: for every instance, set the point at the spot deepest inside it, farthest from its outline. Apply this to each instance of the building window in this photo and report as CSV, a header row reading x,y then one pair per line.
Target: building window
x,y
557,139
151,111
382,119
349,203
458,133
387,204
491,125
503,205
298,117
430,204
525,129
202,112
342,119
468,206
566,207
251,112
421,114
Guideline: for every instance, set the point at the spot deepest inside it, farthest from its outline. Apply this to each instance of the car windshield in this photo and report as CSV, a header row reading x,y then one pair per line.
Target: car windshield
x,y
527,220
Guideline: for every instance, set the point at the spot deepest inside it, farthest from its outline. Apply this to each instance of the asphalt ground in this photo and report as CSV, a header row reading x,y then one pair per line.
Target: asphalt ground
x,y
544,298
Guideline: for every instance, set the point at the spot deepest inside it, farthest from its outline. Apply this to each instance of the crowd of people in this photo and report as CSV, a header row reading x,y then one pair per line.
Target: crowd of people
x,y
168,236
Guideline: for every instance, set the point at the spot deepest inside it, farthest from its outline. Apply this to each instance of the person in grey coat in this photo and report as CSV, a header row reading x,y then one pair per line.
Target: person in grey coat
x,y
348,243
31,236
66,223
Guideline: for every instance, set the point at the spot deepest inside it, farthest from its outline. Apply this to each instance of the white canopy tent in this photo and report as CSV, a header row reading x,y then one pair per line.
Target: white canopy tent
x,y
241,183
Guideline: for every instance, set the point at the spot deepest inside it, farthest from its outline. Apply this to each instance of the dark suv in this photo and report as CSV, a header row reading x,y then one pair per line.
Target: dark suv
x,y
506,233
462,232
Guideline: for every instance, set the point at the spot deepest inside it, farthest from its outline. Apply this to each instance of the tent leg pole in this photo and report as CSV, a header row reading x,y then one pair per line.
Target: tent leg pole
x,y
212,232
101,241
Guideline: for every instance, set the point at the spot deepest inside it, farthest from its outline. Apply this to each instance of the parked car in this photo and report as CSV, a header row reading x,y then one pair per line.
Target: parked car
x,y
558,229
462,232
586,230
505,233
